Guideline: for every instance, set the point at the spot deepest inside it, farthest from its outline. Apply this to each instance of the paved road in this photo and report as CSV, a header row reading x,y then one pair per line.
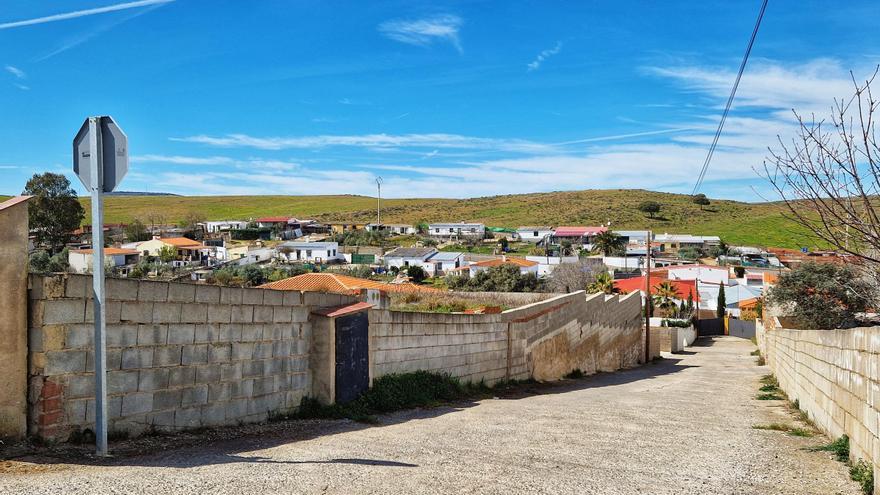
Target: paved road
x,y
683,426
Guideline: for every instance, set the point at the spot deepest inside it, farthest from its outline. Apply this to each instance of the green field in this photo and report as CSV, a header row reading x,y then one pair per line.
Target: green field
x,y
759,224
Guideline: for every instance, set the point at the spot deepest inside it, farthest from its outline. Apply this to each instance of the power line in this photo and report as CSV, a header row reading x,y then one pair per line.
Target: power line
x,y
742,68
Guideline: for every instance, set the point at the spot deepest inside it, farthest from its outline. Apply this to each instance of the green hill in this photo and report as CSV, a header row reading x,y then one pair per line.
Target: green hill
x,y
737,223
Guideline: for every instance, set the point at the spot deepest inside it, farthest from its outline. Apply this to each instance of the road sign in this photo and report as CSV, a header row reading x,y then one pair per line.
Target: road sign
x,y
100,160
112,150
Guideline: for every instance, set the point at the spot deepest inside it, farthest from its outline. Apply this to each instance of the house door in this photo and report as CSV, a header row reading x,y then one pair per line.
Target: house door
x,y
710,326
352,356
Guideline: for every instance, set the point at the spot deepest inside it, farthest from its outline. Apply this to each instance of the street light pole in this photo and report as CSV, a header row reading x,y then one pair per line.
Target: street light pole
x,y
378,202
648,298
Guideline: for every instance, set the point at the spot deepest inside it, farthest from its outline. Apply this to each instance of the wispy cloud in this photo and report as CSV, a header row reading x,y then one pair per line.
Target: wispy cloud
x,y
422,32
384,142
15,71
21,86
83,13
183,160
544,55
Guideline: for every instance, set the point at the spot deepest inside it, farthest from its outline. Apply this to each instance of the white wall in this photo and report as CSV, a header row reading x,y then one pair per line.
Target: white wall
x,y
701,273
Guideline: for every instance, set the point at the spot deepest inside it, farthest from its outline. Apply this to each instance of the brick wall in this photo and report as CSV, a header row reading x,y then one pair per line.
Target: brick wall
x,y
178,355
543,340
835,377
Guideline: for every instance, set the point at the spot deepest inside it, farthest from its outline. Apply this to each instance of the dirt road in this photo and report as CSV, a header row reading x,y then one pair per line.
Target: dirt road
x,y
681,426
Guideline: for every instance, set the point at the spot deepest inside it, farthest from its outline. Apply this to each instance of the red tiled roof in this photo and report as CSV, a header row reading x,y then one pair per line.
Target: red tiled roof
x,y
273,219
109,251
682,287
521,262
340,284
578,231
180,242
343,310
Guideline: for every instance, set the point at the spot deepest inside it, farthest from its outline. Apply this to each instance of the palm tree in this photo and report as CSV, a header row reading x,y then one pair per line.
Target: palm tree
x,y
602,283
609,243
664,297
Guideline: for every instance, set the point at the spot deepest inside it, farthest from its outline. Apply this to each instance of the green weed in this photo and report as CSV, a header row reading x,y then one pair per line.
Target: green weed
x,y
863,474
839,447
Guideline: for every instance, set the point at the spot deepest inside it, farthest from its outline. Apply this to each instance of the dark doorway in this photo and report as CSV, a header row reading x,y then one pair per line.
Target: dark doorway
x,y
710,326
352,356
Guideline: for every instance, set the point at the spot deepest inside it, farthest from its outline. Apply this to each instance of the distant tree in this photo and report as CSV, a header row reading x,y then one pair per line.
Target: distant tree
x,y
416,274
167,254
609,243
504,243
721,310
53,210
650,207
689,253
42,262
568,277
565,248
722,249
190,223
602,283
690,302
428,242
822,295
136,231
253,276
156,219
504,278
700,199
421,227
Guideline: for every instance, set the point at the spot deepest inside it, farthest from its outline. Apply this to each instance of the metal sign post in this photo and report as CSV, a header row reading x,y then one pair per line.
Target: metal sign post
x,y
100,160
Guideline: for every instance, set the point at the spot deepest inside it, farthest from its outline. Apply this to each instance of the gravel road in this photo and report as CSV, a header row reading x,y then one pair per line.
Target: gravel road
x,y
680,426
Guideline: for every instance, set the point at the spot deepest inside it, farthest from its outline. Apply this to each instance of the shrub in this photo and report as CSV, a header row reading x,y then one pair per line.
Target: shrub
x,y
416,274
822,296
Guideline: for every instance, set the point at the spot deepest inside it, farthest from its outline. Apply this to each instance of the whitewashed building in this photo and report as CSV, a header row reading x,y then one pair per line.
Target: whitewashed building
x,y
216,227
534,235
316,252
457,230
81,260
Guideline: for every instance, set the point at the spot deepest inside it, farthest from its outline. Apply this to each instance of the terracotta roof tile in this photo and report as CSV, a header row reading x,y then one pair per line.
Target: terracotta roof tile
x,y
340,284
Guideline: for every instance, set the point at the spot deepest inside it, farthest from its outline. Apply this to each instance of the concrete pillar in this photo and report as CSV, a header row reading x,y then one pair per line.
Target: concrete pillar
x,y
13,324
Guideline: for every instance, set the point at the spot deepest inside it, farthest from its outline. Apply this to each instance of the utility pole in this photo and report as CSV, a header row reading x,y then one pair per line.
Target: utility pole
x,y
648,298
378,202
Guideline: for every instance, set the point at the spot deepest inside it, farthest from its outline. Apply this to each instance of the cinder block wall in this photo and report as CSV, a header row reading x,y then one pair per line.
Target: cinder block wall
x,y
544,340
178,355
835,377
13,317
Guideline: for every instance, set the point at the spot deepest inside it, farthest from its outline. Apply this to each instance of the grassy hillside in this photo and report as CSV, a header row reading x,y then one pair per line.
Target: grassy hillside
x,y
737,223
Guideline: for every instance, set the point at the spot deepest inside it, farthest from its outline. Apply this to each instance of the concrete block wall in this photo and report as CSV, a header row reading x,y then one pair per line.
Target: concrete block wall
x,y
835,377
13,300
471,347
178,355
544,340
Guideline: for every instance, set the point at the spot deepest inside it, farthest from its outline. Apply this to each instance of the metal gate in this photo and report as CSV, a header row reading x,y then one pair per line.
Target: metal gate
x,y
741,328
710,326
352,356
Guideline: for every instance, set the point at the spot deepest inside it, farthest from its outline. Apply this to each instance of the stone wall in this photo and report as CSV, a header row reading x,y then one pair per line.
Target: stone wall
x,y
13,301
835,377
178,355
544,340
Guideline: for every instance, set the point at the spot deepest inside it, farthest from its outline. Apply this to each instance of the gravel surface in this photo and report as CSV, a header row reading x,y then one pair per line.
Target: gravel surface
x,y
679,426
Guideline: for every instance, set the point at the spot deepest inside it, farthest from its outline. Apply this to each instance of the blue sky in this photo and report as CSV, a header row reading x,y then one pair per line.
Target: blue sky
x,y
441,99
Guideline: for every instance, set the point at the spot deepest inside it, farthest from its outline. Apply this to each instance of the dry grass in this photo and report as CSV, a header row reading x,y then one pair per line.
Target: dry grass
x,y
441,302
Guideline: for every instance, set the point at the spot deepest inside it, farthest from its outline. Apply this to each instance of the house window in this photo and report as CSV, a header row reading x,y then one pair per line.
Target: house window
x,y
308,253
451,231
535,234
437,230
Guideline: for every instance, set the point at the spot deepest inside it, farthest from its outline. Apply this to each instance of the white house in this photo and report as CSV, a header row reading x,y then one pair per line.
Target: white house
x,y
534,235
81,260
406,257
317,252
701,273
733,296
546,264
674,242
392,228
443,262
457,230
223,226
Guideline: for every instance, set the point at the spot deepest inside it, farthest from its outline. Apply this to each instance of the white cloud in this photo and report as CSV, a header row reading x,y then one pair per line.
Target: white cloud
x,y
425,31
22,86
15,71
83,13
544,55
183,160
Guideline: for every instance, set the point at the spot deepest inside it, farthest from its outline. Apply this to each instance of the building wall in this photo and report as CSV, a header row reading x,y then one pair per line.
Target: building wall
x,y
544,340
178,355
13,300
835,377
